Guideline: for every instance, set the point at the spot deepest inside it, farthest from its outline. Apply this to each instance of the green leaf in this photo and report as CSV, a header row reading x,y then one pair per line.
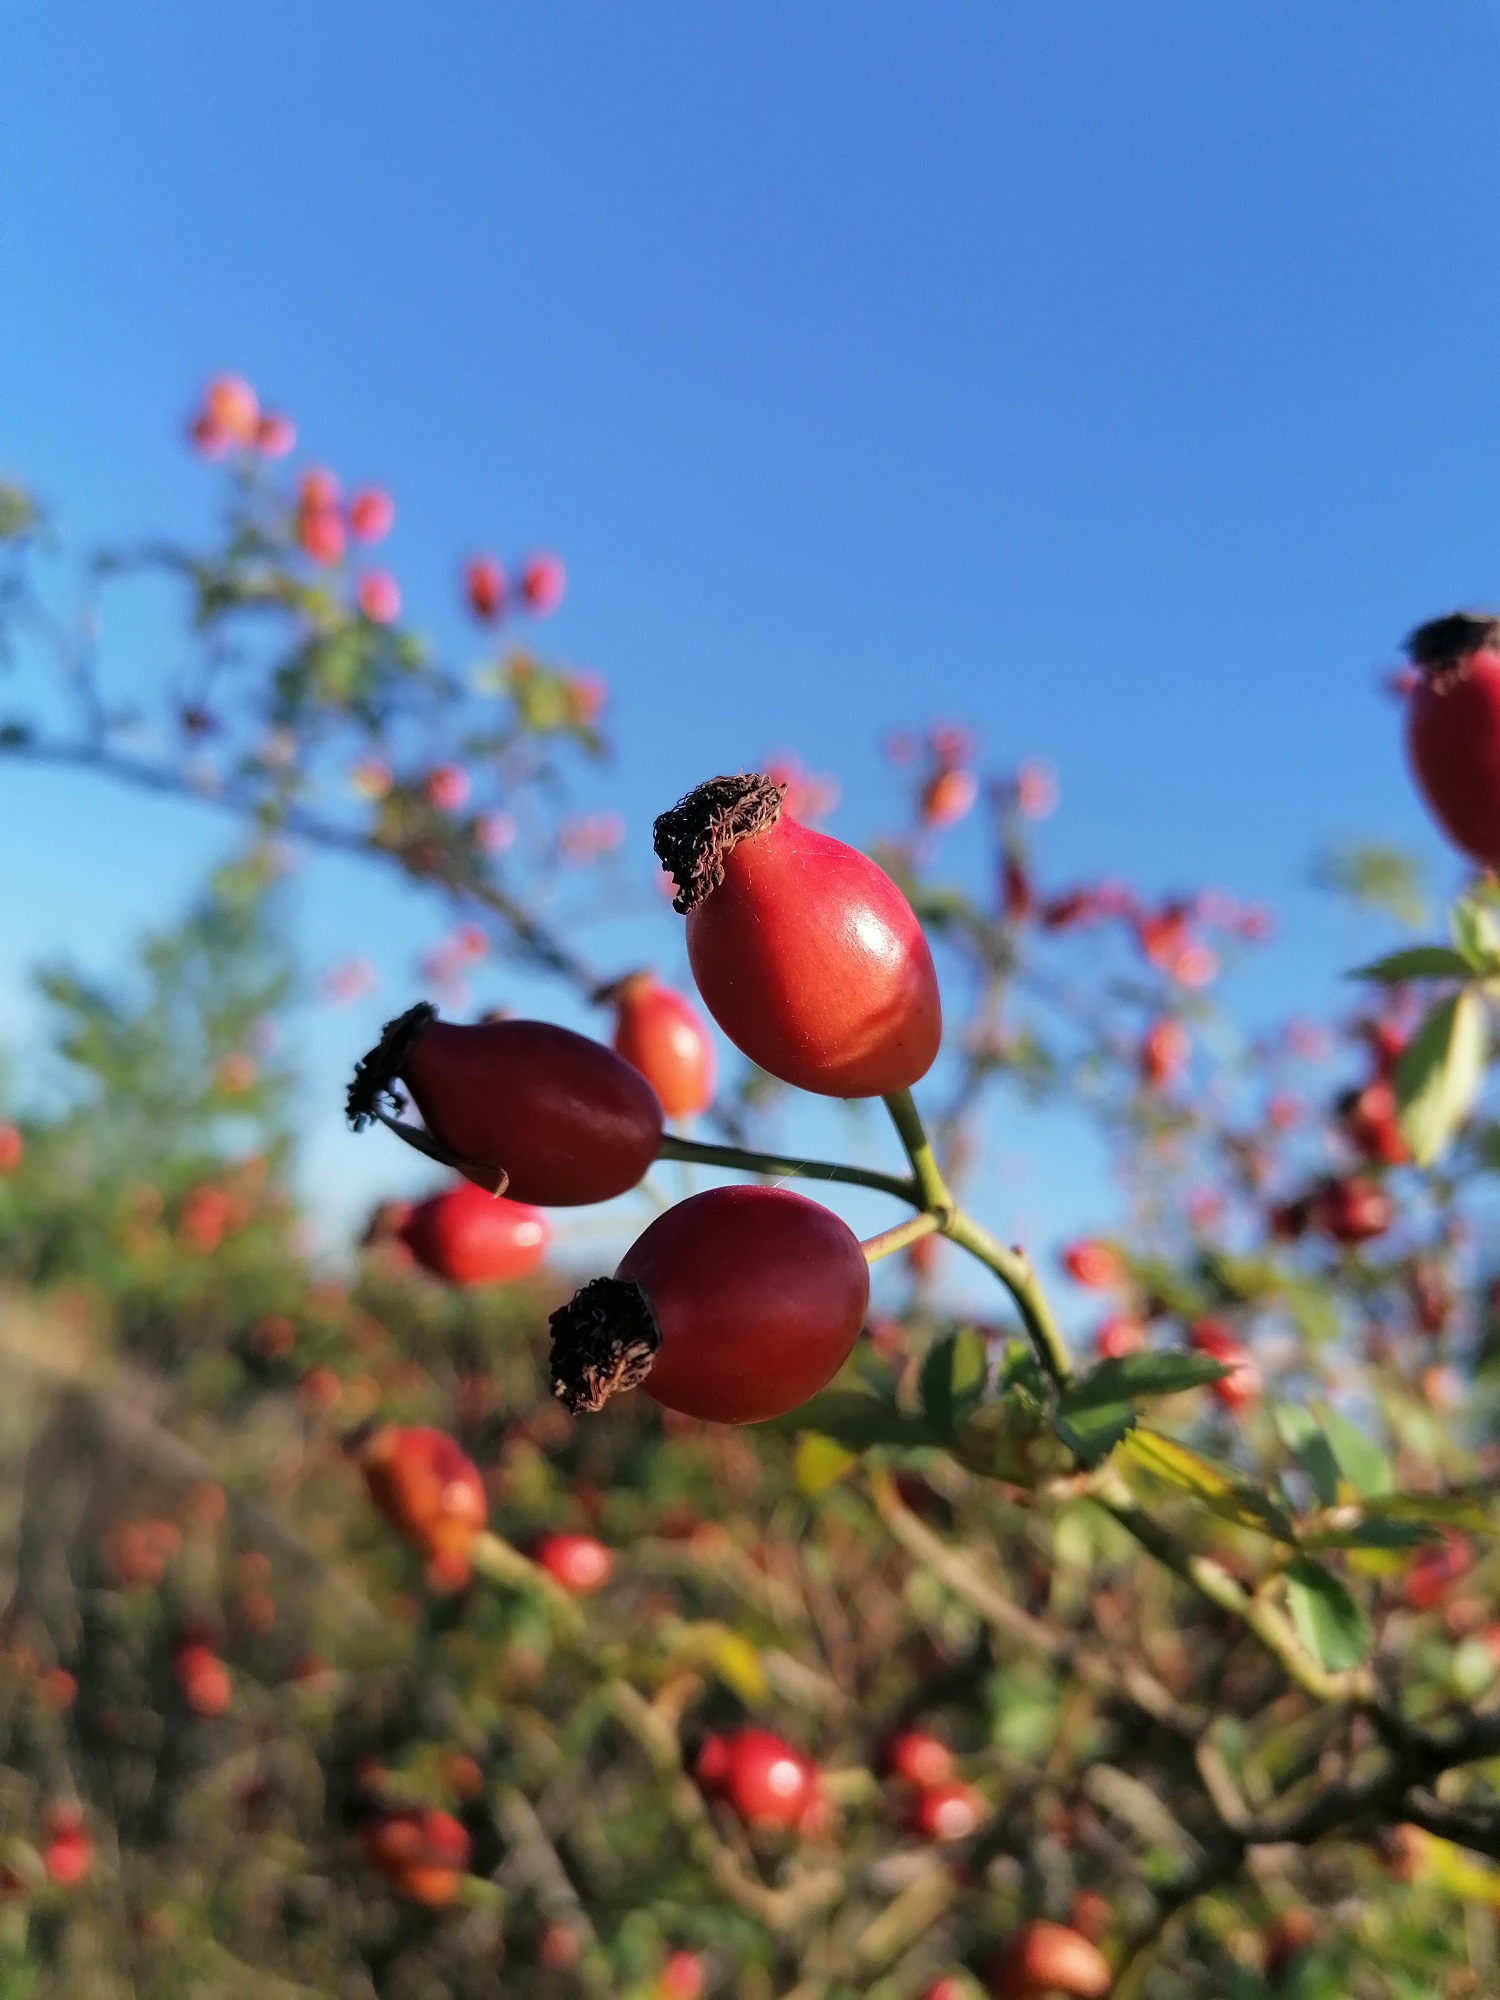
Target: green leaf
x,y
1140,1375
1091,1434
1229,1496
1476,932
1373,1533
1375,877
1420,961
1447,1510
819,1463
1362,1463
1439,1073
953,1376
855,1421
1329,1622
1299,1432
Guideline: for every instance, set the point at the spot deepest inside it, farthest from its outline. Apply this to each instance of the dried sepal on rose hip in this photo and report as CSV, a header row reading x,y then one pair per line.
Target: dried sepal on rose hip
x,y
735,1306
805,952
523,1108
1453,728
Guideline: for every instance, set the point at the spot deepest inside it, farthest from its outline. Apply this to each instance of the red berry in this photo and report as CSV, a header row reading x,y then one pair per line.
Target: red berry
x,y
578,1562
484,586
372,514
562,1116
1453,729
666,1039
734,1306
1043,1958
807,954
1118,1336
949,1987
1369,1118
947,1812
681,1978
468,1237
1098,1267
557,1948
320,533
379,597
231,409
711,1766
1243,1385
427,1488
12,1146
320,1389
1164,1053
203,1678
1285,1936
275,435
446,788
420,1851
1091,1914
767,1782
1352,1210
918,1757
543,580
947,796
68,1850
1015,893
58,1688
1432,1568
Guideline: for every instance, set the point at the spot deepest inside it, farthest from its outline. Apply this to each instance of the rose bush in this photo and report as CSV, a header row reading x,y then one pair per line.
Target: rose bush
x,y
339,1657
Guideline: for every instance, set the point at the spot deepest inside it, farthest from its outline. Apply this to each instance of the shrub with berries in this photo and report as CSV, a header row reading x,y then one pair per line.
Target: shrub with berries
x,y
699,1604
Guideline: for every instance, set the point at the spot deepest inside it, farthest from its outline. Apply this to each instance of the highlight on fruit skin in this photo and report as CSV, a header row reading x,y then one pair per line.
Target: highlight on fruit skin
x,y
523,1108
759,1776
735,1306
1453,728
804,950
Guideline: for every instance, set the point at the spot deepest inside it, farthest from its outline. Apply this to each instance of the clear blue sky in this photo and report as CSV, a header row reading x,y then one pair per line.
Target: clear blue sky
x,y
1120,378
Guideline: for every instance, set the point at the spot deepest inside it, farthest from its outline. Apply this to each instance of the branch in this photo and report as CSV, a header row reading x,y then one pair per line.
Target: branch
x,y
780,1167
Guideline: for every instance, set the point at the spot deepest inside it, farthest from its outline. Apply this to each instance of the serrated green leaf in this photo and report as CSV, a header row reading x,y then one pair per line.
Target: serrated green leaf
x,y
953,1378
1009,1439
855,1421
1140,1375
1329,1622
1361,1462
1299,1432
1439,1073
1229,1496
1420,961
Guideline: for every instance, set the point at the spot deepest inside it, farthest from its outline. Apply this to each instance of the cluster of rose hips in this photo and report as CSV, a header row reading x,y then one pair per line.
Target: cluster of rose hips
x,y
740,1303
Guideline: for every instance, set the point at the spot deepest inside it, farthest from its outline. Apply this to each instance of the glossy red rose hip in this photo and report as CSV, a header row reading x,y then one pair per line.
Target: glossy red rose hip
x,y
1044,1958
764,1779
805,952
468,1237
734,1306
519,1107
1453,729
667,1040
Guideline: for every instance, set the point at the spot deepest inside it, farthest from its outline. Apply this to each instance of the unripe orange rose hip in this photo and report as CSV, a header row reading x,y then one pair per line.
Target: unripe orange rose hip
x,y
522,1108
429,1490
665,1038
1453,728
469,1237
805,952
734,1306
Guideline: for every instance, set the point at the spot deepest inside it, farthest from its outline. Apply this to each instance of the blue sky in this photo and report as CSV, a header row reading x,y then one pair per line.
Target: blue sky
x,y
1121,379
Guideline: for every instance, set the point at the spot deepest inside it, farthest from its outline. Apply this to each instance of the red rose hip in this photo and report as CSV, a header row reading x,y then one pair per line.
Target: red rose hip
x,y
1453,728
580,1563
665,1038
1047,1958
734,1306
805,952
468,1237
519,1107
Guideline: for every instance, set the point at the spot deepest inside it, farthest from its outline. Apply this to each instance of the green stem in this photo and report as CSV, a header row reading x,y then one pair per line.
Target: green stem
x,y
900,1237
736,1158
931,1186
1013,1269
